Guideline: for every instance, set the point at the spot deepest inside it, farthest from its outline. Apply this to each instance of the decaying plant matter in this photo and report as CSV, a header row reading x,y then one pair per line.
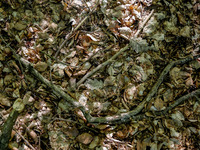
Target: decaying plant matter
x,y
99,74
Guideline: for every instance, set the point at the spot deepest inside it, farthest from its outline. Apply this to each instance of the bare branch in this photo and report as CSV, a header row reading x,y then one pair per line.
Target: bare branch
x,y
123,117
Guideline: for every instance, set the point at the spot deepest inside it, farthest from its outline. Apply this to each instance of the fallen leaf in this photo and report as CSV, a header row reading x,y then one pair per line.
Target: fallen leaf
x,y
85,138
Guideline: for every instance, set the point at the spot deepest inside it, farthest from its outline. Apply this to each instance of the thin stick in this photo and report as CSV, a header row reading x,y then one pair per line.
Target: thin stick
x,y
181,100
143,24
25,140
123,101
102,65
118,141
68,36
90,57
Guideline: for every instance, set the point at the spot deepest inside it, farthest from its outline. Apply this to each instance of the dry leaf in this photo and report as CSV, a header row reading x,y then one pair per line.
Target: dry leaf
x,y
85,138
159,104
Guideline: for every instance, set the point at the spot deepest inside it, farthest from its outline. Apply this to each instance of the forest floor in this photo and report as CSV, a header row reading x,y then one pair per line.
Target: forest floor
x,y
100,74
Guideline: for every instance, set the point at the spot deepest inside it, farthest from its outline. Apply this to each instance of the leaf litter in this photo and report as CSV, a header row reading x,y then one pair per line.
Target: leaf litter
x,y
66,40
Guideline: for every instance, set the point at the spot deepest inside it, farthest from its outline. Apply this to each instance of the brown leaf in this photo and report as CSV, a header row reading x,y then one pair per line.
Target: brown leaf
x,y
85,138
189,81
71,132
159,104
4,100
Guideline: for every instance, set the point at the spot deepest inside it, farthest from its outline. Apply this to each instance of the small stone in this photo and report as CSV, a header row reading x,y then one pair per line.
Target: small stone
x,y
85,138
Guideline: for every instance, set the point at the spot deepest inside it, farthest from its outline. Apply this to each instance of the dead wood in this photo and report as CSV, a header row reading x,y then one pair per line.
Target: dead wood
x,y
123,117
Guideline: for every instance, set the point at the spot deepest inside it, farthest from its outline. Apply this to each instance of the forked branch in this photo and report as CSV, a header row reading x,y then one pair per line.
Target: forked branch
x,y
123,117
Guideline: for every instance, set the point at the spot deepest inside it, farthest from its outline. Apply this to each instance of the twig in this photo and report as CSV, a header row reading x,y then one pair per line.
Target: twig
x,y
123,101
118,141
25,140
87,5
180,100
143,24
68,36
102,65
90,57
197,98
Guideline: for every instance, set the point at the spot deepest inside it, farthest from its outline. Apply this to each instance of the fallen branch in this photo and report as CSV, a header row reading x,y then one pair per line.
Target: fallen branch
x,y
123,117
180,101
56,90
27,142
